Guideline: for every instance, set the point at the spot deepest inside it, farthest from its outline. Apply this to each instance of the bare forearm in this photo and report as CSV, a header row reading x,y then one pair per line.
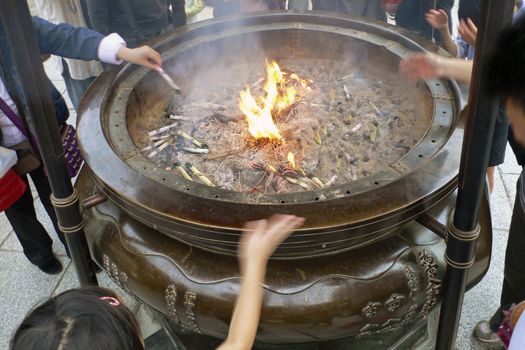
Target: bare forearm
x,y
245,319
448,43
455,68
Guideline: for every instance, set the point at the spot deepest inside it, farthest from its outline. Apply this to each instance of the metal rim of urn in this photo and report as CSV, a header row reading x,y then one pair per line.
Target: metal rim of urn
x,y
337,218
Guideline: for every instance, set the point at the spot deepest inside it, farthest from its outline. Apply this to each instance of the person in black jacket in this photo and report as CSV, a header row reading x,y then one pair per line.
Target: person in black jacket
x,y
71,42
135,20
223,8
364,8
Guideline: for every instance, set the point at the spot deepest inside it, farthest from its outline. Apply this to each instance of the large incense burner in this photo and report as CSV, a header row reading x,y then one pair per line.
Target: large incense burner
x,y
278,113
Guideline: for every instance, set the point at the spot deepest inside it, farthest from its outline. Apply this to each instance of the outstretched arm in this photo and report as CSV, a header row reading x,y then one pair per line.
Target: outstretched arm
x,y
427,66
439,20
85,44
259,240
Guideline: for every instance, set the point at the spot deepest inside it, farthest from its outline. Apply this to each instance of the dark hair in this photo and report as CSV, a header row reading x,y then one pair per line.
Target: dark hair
x,y
505,71
470,9
79,319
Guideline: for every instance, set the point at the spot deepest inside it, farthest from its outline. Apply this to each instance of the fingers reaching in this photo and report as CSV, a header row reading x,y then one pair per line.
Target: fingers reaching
x,y
280,226
472,27
437,18
144,56
261,238
153,56
468,31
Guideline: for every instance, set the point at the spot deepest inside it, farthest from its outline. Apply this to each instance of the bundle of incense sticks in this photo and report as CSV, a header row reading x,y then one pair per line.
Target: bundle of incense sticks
x,y
182,171
157,144
162,130
179,117
190,138
201,176
159,149
168,80
311,179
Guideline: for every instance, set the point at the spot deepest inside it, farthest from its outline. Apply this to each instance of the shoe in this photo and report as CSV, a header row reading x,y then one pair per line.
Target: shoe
x,y
484,334
52,267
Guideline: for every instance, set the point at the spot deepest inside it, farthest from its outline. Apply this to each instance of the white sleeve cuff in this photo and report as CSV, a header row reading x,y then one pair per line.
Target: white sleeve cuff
x,y
109,47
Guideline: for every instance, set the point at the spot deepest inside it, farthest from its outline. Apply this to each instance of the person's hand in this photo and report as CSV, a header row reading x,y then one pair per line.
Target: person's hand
x,y
421,66
437,19
468,31
143,56
260,238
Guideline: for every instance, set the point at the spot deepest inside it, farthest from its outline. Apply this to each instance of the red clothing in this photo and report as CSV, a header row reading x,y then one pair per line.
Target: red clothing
x,y
12,187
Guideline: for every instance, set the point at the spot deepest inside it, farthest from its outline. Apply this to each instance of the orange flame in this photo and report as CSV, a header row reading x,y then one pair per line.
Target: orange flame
x,y
280,94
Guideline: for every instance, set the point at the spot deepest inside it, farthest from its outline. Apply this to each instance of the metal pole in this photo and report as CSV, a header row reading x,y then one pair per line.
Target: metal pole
x,y
33,91
463,232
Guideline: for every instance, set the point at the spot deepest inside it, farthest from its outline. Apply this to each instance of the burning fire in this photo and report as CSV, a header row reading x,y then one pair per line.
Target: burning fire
x,y
281,92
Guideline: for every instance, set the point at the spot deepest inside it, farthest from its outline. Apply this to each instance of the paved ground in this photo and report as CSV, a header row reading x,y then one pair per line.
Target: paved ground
x,y
23,286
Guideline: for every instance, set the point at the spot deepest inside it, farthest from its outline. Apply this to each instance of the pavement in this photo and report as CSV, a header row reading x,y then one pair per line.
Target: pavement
x,y
23,286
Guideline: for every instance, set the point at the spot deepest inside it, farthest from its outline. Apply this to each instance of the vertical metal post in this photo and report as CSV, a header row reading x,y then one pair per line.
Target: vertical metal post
x,y
33,91
463,232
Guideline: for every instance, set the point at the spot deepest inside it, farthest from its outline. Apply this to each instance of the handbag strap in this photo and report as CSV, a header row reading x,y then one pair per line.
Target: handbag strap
x,y
13,117
19,123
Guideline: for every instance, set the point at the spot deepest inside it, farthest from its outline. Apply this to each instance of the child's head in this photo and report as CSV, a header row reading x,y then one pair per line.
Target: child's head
x,y
86,318
470,9
506,75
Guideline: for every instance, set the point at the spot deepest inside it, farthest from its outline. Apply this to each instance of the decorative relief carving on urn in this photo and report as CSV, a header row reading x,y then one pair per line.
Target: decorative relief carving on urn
x,y
411,315
190,325
191,322
413,280
368,328
116,274
372,329
371,309
171,303
426,260
394,302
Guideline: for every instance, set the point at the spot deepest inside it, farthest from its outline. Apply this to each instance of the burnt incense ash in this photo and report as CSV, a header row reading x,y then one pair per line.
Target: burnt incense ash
x,y
291,126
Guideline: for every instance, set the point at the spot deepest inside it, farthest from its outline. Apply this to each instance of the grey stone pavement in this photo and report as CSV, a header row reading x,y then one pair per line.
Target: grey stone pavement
x,y
23,286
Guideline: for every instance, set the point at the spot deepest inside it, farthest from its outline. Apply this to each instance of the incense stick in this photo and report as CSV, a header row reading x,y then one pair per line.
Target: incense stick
x,y
168,80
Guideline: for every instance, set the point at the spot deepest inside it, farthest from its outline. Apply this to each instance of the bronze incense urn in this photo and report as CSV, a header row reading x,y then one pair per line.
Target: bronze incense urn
x,y
372,157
